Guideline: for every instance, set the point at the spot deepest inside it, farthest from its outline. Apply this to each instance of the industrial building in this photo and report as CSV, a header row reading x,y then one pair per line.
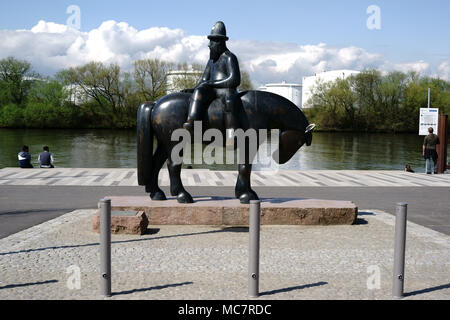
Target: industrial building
x,y
290,91
300,93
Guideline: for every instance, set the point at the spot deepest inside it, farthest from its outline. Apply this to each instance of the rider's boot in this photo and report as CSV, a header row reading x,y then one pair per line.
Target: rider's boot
x,y
193,115
189,125
231,119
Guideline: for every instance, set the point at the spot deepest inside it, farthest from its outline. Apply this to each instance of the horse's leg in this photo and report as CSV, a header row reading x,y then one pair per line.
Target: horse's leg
x,y
176,185
158,160
243,190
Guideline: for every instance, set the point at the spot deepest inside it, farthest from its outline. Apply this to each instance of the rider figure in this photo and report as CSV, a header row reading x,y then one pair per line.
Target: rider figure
x,y
220,79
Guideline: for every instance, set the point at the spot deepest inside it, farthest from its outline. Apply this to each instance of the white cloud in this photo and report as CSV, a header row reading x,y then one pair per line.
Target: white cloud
x,y
444,70
51,47
49,27
421,67
274,62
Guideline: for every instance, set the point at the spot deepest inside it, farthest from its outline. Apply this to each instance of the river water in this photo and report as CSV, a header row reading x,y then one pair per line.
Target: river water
x,y
117,149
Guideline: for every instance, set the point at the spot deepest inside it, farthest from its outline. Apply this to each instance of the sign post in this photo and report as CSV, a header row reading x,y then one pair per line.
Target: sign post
x,y
442,147
428,118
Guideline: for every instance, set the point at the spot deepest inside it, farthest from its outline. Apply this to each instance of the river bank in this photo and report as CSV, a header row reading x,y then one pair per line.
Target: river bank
x,y
86,148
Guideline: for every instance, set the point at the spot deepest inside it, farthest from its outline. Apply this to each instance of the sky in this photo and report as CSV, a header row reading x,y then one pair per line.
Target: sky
x,y
273,40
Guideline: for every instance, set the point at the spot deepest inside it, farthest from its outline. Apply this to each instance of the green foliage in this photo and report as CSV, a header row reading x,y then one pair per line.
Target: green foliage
x,y
246,82
42,115
96,95
16,79
96,81
150,76
187,79
370,101
48,91
11,116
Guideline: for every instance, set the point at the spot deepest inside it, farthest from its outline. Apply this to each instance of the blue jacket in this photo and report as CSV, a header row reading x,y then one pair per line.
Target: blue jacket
x,y
24,159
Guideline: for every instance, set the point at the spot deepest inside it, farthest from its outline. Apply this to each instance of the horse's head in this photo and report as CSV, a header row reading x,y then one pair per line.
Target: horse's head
x,y
290,141
308,133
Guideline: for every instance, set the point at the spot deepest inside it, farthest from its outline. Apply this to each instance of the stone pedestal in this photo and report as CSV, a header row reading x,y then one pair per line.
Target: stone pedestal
x,y
124,222
227,211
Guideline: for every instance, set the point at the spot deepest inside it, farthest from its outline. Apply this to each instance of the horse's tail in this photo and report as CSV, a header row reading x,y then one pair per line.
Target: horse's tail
x,y
144,143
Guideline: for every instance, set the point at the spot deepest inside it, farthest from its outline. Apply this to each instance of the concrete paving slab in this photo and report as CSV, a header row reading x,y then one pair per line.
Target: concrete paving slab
x,y
348,262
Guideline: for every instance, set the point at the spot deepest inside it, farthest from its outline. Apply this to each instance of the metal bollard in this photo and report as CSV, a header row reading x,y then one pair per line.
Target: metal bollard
x,y
105,247
253,257
399,250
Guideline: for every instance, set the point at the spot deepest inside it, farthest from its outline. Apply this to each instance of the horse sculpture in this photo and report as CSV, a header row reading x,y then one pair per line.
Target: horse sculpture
x,y
259,110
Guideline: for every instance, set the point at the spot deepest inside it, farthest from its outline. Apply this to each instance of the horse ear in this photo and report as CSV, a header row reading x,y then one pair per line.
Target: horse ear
x,y
310,127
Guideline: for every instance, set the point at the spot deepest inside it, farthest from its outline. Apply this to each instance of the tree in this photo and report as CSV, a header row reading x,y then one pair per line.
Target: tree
x,y
390,101
97,81
16,79
325,106
187,78
371,102
246,83
48,91
366,89
150,76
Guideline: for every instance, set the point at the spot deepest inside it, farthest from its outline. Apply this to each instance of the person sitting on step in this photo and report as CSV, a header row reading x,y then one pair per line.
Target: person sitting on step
x,y
45,159
25,158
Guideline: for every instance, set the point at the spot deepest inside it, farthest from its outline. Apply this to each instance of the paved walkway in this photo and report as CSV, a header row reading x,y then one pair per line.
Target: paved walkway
x,y
202,177
202,263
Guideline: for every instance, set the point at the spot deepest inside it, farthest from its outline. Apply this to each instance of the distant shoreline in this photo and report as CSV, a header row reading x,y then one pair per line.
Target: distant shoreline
x,y
134,129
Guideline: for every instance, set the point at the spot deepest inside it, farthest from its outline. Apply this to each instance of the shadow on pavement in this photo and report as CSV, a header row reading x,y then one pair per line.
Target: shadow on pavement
x,y
360,221
305,286
28,211
217,198
152,231
365,213
152,288
445,286
10,286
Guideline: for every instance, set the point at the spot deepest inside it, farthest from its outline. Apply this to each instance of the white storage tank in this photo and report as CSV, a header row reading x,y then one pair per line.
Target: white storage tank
x,y
291,91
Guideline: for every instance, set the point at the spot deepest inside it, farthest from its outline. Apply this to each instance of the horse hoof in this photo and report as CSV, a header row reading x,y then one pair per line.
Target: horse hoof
x,y
246,197
158,196
185,197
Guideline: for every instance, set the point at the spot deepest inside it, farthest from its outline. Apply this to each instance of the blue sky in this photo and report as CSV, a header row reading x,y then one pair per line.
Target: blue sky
x,y
410,30
415,29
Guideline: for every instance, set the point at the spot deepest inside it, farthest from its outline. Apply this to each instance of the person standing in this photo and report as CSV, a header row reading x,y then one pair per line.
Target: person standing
x,y
429,150
45,159
25,158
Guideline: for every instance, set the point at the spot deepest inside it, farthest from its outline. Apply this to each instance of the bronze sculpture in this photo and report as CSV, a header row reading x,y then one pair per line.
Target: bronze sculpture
x,y
227,109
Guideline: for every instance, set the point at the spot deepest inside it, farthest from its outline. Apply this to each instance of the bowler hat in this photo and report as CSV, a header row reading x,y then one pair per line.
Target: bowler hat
x,y
218,32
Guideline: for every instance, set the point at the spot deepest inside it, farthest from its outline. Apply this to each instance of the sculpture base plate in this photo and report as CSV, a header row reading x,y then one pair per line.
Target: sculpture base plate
x,y
218,211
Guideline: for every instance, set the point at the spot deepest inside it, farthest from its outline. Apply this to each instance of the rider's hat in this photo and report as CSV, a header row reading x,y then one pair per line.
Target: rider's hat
x,y
218,32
